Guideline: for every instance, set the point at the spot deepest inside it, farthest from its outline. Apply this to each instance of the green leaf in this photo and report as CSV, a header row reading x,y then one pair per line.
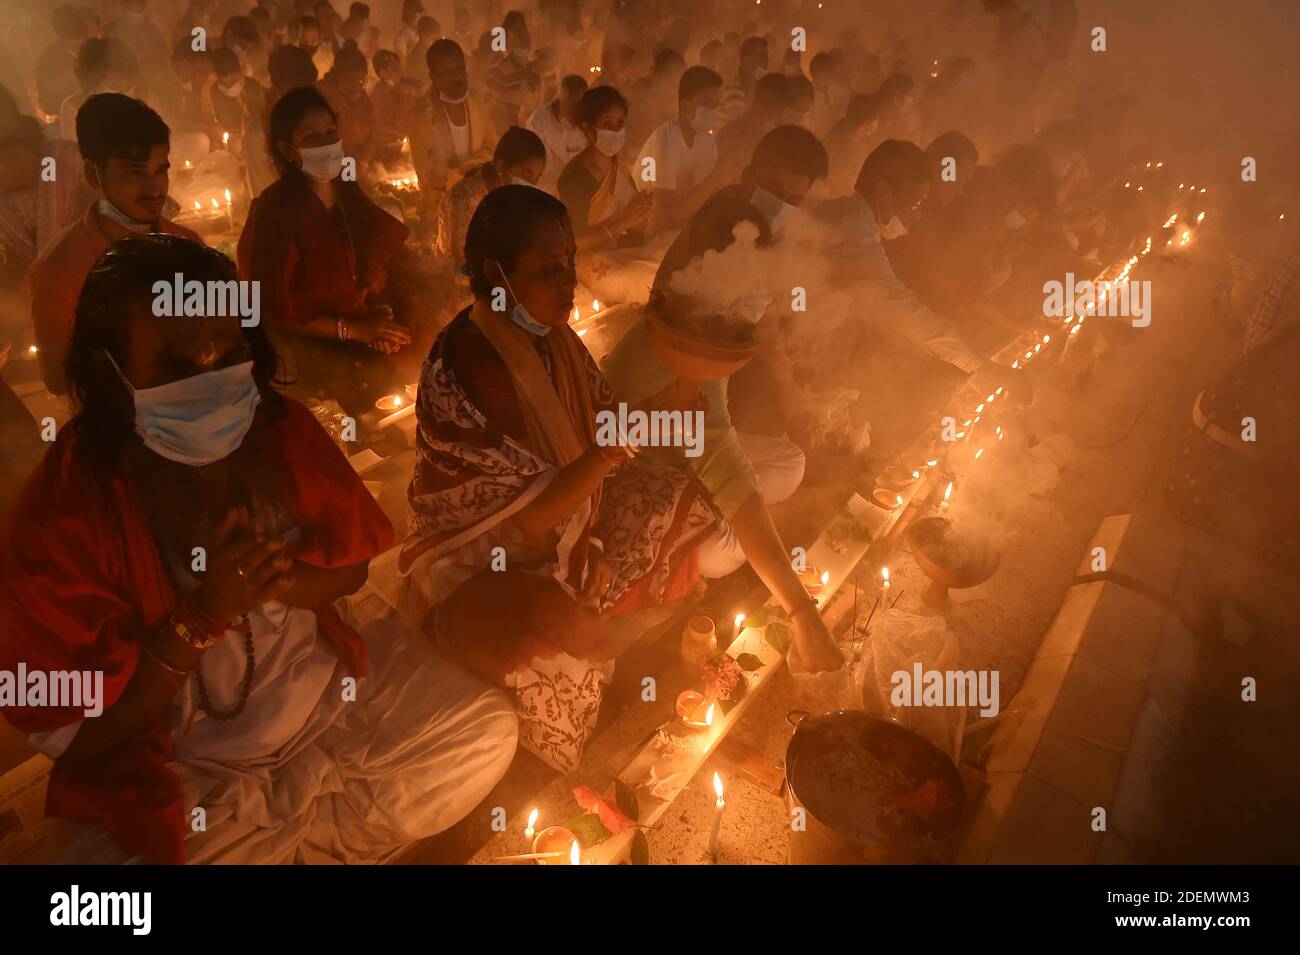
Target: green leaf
x,y
750,662
626,800
588,830
777,635
640,848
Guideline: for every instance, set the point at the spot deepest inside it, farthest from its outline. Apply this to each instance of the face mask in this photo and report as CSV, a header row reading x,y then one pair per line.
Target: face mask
x,y
1014,220
447,99
234,90
521,316
197,420
705,118
773,207
114,214
610,141
322,163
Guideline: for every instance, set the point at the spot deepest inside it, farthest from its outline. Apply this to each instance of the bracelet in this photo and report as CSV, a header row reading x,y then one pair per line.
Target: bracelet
x,y
157,658
194,627
341,325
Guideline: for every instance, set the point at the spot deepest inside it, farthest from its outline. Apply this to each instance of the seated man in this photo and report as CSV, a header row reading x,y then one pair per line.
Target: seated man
x,y
124,144
737,140
345,88
455,132
741,474
684,151
556,123
512,84
233,682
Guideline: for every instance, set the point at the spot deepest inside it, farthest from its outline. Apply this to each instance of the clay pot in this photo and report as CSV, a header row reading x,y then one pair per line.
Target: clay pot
x,y
696,359
947,568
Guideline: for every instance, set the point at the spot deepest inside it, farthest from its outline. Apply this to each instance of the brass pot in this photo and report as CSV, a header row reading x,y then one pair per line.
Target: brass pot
x,y
871,792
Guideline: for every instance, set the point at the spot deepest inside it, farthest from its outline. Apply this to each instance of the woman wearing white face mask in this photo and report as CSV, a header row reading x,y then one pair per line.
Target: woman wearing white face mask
x,y
519,159
188,537
323,253
597,186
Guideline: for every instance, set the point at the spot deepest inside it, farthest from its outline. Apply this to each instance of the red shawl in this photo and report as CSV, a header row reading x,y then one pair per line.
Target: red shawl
x,y
81,581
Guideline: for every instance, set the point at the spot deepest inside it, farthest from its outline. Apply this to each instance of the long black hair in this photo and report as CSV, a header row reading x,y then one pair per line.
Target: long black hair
x,y
122,280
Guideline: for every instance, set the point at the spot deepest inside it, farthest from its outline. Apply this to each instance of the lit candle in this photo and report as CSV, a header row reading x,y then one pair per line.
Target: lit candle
x,y
717,816
979,454
595,305
532,821
1069,340
947,496
826,577
740,618
884,581
225,140
230,211
575,854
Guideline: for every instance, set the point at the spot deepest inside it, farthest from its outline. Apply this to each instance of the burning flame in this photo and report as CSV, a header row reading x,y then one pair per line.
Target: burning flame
x,y
740,618
978,453
227,197
532,820
717,785
575,854
708,714
884,576
197,207
826,577
215,204
595,305
948,493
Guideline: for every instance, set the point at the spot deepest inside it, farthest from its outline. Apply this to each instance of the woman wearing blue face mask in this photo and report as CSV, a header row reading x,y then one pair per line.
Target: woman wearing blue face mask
x,y
597,186
323,253
188,535
524,523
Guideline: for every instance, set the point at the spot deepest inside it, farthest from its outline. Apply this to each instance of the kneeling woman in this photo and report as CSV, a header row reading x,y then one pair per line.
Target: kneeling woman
x,y
187,537
324,253
519,537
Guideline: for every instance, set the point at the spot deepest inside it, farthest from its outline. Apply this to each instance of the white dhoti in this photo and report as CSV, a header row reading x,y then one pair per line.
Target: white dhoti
x,y
360,771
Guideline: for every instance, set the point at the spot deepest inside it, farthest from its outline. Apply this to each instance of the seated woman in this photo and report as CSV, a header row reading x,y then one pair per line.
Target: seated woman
x,y
323,253
597,186
187,538
518,534
520,158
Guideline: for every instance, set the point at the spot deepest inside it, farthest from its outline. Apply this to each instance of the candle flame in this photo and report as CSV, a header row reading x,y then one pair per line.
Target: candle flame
x,y
1016,363
948,493
826,577
32,350
884,575
595,305
999,390
1075,329
717,785
575,854
227,197
708,714
930,464
1200,217
899,499
979,408
1046,339
978,453
740,618
532,820
197,207
582,331
215,204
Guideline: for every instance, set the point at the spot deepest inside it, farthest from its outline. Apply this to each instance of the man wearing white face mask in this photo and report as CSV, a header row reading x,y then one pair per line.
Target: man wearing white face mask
x,y
891,187
125,145
683,153
455,132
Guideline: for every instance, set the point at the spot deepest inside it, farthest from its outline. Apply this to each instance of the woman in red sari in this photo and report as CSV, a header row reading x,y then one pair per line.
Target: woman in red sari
x,y
324,254
187,536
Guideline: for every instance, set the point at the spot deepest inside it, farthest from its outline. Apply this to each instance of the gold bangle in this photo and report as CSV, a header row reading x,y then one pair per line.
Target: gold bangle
x,y
157,658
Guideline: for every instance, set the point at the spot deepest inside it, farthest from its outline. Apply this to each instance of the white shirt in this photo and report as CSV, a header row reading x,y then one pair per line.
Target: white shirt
x,y
860,252
676,165
562,142
459,139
